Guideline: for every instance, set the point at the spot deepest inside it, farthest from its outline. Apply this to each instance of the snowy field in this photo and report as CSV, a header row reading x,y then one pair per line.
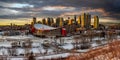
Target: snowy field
x,y
38,48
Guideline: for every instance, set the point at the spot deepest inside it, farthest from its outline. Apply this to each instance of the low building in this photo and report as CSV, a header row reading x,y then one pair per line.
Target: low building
x,y
44,30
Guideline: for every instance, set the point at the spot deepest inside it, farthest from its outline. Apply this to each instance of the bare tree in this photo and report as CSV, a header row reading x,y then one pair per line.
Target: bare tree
x,y
31,56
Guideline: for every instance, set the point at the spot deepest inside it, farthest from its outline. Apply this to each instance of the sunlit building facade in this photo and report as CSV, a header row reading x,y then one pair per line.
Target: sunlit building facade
x,y
61,22
83,20
79,20
96,22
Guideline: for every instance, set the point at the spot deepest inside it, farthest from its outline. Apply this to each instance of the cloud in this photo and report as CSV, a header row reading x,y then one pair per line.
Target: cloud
x,y
103,8
99,11
58,8
15,5
53,8
8,11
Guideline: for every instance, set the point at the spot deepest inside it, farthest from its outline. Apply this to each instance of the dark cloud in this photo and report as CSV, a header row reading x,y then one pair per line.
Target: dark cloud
x,y
110,7
14,16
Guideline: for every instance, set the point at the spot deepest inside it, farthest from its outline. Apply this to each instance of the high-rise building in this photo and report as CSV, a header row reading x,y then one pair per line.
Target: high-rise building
x,y
61,22
88,20
43,21
34,20
75,19
79,20
70,21
49,21
83,20
96,22
58,21
52,20
32,23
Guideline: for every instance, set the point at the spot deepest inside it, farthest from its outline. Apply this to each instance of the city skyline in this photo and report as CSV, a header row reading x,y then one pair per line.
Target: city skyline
x,y
22,11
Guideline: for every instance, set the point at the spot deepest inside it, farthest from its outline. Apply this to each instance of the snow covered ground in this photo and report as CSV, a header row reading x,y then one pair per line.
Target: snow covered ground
x,y
42,57
5,44
54,56
68,46
39,48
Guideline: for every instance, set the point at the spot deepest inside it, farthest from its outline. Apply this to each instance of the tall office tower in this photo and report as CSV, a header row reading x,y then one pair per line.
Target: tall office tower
x,y
83,20
52,20
88,20
43,21
48,21
75,19
57,21
61,22
32,23
34,20
96,22
66,22
79,20
70,21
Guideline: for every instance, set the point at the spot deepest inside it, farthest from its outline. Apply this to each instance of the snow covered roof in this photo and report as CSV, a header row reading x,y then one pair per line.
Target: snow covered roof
x,y
43,27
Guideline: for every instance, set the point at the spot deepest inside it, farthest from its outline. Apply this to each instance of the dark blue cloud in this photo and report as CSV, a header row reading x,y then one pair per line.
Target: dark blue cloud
x,y
112,7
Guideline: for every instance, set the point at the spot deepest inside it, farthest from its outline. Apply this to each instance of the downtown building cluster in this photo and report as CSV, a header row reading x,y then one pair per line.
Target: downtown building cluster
x,y
70,25
83,21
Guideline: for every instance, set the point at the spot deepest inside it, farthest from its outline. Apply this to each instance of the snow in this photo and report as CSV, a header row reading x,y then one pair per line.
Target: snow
x,y
94,44
38,48
50,50
43,27
42,50
17,37
54,56
43,57
1,33
118,37
35,50
35,44
68,46
3,51
67,39
17,59
5,44
85,50
20,51
96,38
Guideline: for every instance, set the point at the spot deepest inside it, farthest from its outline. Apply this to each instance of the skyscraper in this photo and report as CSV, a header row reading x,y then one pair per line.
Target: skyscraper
x,y
88,20
58,21
70,22
49,21
34,20
96,22
43,21
83,20
61,22
79,19
75,19
52,20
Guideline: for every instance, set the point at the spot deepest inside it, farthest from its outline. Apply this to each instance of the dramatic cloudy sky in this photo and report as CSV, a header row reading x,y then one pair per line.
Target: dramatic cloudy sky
x,y
22,11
